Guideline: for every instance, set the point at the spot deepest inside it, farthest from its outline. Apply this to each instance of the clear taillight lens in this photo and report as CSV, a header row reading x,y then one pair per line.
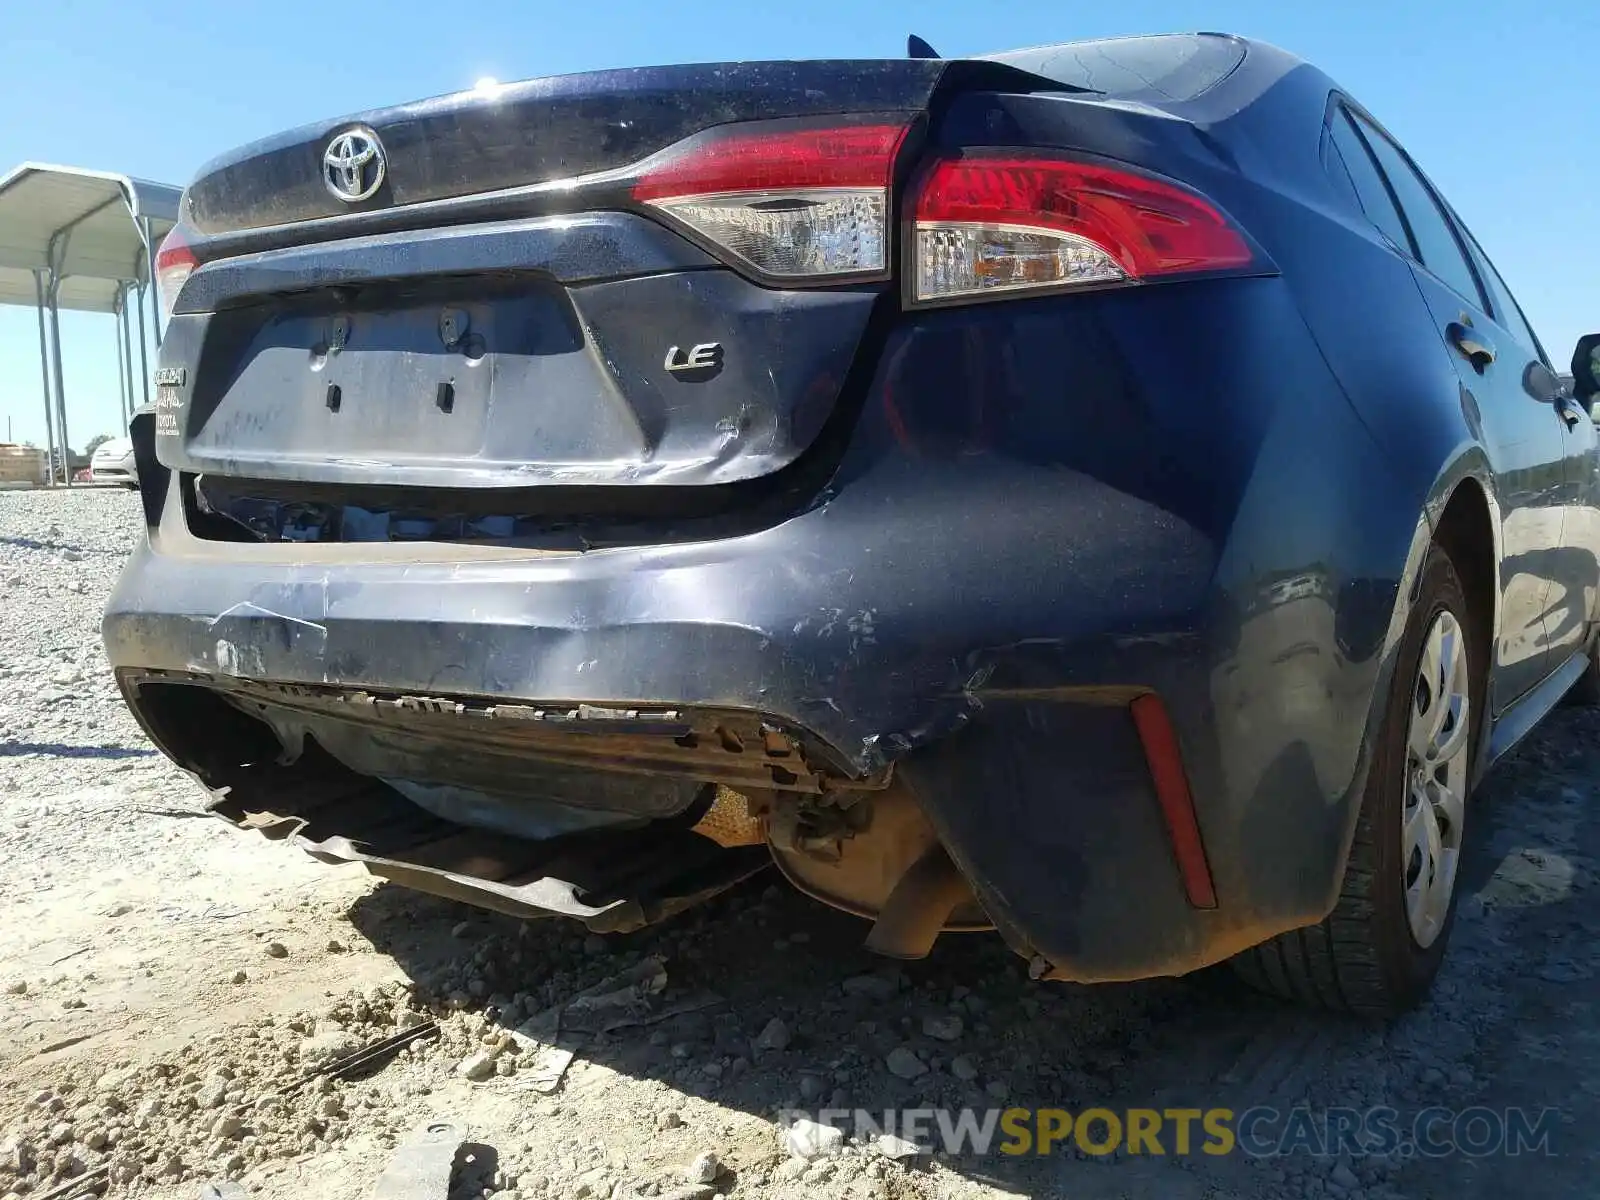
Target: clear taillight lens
x,y
790,203
998,223
175,262
793,234
957,259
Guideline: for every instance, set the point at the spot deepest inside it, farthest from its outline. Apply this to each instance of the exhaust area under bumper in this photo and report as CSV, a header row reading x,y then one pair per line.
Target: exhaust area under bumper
x,y
641,867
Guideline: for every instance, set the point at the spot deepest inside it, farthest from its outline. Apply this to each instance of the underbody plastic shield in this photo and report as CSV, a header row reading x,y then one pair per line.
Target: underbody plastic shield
x,y
612,880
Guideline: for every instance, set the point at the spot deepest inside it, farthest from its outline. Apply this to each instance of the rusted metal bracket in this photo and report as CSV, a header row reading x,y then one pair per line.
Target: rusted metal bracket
x,y
737,748
814,830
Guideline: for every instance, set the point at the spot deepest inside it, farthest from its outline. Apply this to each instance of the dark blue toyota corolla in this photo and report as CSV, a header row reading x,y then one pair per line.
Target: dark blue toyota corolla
x,y
1099,493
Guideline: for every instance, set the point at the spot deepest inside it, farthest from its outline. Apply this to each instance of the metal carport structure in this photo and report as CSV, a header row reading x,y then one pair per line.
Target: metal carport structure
x,y
84,241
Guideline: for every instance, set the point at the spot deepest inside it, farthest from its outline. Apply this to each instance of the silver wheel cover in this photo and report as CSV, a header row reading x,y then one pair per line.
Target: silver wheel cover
x,y
1433,815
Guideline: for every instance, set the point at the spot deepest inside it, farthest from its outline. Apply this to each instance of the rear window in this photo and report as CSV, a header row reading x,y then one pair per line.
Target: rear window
x,y
1348,151
1430,228
1161,67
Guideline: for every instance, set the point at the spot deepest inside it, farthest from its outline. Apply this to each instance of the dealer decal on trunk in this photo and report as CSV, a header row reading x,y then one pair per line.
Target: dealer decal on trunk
x,y
169,399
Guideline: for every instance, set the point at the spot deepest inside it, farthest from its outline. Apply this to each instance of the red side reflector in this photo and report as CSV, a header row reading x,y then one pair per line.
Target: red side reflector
x,y
737,159
1171,781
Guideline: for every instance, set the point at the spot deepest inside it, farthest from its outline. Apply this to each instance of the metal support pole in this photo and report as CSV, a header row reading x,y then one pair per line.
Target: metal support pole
x,y
126,341
144,356
44,371
150,261
61,389
116,329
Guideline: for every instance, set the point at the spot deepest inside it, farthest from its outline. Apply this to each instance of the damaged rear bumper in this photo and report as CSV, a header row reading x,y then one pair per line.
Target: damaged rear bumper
x,y
974,612
754,664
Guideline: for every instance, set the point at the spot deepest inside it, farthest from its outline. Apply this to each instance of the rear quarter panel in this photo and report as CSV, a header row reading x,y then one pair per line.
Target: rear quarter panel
x,y
1204,414
1304,429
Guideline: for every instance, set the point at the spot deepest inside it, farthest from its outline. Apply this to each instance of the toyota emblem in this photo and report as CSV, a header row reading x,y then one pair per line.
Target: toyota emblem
x,y
353,165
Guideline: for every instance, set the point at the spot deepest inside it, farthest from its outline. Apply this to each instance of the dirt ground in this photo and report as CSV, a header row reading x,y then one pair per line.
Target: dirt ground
x,y
166,985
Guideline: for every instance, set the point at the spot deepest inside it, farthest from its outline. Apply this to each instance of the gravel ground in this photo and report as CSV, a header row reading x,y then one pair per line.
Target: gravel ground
x,y
167,985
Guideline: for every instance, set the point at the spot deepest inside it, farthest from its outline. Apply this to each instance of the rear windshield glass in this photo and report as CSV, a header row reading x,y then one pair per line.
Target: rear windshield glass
x,y
1163,67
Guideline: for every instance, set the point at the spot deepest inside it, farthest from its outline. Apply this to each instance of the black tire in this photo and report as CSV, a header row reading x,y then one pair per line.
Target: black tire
x,y
1362,958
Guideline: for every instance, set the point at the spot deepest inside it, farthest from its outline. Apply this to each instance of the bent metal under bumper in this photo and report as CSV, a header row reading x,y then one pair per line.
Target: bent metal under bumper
x,y
600,814
607,815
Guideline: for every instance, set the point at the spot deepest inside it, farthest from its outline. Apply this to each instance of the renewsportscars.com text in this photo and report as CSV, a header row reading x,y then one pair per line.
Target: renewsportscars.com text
x,y
1257,1132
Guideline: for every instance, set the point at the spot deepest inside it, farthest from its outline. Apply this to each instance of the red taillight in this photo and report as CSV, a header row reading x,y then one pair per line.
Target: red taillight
x,y
175,262
793,203
750,160
991,223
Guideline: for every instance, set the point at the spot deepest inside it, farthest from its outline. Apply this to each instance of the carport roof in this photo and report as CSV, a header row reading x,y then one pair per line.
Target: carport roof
x,y
96,215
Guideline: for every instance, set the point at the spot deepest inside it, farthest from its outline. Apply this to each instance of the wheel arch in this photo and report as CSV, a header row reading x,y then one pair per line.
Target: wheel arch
x,y
1464,514
1461,513
1467,529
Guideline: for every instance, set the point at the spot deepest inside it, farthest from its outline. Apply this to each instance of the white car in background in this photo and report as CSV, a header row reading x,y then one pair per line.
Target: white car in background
x,y
113,463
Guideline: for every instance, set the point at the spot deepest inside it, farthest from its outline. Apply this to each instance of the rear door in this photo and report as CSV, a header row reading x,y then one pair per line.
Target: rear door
x,y
1524,436
1571,597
